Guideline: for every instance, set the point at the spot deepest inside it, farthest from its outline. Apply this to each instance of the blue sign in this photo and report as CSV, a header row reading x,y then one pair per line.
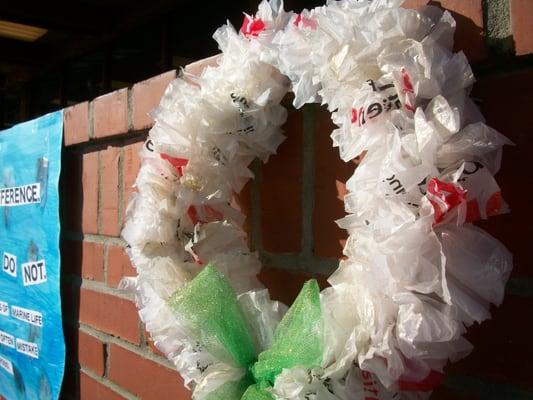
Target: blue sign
x,y
32,348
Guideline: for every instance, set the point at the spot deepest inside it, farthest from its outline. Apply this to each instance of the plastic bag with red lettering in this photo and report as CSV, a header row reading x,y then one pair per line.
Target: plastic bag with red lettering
x,y
483,195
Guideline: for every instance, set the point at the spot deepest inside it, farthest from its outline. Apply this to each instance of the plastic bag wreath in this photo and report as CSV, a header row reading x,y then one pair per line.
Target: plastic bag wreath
x,y
417,273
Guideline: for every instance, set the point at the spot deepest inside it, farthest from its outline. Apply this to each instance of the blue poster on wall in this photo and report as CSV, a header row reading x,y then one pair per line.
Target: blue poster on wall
x,y
32,348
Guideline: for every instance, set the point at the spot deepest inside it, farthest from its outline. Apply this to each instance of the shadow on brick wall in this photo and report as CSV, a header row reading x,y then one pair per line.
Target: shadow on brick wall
x,y
79,217
468,34
71,205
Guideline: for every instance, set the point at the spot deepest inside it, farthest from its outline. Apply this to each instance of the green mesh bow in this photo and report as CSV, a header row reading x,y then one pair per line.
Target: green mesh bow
x,y
209,308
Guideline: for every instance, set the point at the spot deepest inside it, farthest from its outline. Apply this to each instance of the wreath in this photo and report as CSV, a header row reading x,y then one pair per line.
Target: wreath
x,y
417,272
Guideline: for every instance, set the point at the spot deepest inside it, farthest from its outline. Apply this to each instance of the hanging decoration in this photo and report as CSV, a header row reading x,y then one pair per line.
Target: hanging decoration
x,y
417,272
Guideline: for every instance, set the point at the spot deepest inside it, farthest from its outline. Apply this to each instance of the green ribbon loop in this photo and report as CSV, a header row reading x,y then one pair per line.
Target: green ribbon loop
x,y
297,339
210,309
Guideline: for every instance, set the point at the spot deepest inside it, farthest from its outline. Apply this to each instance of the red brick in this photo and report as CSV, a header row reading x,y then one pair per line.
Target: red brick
x,y
131,167
284,285
76,123
281,191
91,389
91,353
111,114
522,25
92,261
109,185
109,314
197,67
90,193
416,4
331,174
118,265
469,17
151,344
507,104
144,378
146,96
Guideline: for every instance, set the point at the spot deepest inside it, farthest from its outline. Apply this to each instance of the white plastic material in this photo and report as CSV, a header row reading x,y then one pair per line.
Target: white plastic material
x,y
416,272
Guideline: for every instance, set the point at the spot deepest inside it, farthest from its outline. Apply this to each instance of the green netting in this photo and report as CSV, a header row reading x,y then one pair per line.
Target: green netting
x,y
232,390
255,393
297,339
209,307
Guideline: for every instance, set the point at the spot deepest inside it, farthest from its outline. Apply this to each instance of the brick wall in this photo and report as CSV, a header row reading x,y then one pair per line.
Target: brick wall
x,y
291,208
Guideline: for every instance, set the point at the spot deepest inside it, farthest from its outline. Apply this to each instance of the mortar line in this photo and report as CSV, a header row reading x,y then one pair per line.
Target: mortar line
x,y
308,180
143,352
99,287
90,107
143,337
497,27
299,263
99,193
88,237
120,188
106,263
109,384
129,108
114,140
